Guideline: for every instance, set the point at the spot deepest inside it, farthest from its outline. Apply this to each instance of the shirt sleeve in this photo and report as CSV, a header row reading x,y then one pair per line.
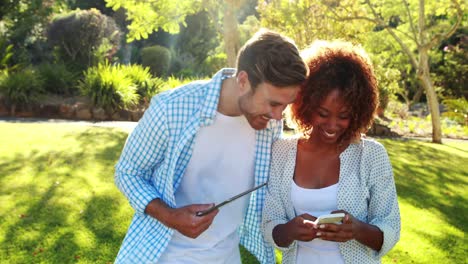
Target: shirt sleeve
x,y
143,152
274,212
383,204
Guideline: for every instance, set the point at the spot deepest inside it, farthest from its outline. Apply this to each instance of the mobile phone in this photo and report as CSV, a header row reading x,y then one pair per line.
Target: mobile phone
x,y
330,218
202,213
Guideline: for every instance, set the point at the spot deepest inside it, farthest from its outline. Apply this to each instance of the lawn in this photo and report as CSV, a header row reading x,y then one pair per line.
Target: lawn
x,y
59,203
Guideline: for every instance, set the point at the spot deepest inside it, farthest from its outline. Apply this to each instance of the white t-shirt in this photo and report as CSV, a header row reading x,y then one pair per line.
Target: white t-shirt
x,y
221,166
316,202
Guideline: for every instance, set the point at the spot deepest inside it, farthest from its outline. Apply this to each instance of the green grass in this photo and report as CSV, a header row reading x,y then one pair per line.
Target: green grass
x,y
59,203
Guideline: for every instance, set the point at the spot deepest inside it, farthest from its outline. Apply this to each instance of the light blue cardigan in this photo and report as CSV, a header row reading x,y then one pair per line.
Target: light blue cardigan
x,y
366,189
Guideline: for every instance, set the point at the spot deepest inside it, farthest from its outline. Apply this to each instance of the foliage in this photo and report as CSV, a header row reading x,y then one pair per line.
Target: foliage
x,y
213,63
157,58
22,87
78,35
197,38
388,81
109,87
307,20
24,23
451,70
60,205
418,124
148,16
146,85
457,110
58,79
6,52
89,4
417,26
174,82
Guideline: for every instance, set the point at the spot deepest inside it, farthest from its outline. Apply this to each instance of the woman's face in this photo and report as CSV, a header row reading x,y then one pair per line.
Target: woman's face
x,y
331,119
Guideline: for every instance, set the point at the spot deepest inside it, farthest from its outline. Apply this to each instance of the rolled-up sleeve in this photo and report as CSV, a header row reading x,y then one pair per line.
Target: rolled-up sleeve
x,y
383,204
144,151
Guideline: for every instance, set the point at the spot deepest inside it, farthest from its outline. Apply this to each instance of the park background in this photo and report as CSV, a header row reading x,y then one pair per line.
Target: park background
x,y
105,60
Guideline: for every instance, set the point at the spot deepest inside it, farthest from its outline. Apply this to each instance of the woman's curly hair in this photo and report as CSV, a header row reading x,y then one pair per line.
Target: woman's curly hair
x,y
343,66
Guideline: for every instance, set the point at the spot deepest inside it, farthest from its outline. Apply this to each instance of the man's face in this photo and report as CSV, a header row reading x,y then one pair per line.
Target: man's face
x,y
265,102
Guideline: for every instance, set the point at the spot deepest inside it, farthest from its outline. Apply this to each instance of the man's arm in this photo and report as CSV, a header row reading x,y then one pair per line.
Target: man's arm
x,y
144,151
182,219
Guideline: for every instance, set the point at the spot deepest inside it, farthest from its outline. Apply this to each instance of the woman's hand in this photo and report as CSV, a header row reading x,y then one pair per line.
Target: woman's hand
x,y
338,232
296,229
351,228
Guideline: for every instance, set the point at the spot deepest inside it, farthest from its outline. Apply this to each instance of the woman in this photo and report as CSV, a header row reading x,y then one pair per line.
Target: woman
x,y
332,168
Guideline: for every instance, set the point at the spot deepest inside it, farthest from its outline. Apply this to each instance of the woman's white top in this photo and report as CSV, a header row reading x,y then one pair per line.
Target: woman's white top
x,y
316,202
366,190
222,165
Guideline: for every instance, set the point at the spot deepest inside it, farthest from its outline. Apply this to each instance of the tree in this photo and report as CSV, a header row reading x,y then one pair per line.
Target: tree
x,y
412,27
147,16
415,30
306,20
82,34
23,24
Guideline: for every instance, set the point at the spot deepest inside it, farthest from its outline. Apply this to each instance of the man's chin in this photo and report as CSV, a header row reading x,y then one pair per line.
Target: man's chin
x,y
259,125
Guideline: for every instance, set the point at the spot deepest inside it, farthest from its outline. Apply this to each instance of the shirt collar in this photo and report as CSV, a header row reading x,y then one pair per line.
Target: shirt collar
x,y
208,111
213,92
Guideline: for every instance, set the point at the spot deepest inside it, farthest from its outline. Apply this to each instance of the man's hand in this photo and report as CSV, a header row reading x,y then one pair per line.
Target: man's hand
x,y
186,221
182,219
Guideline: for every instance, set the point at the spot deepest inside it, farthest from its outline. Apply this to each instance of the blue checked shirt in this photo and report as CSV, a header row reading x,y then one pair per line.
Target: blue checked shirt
x,y
154,159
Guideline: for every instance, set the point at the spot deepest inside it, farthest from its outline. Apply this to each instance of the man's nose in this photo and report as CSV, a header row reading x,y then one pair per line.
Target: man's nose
x,y
277,113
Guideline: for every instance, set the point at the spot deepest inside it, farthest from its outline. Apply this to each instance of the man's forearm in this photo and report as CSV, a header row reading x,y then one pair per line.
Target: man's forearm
x,y
159,210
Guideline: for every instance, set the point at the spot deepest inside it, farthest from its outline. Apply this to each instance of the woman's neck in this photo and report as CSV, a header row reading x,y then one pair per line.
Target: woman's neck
x,y
312,144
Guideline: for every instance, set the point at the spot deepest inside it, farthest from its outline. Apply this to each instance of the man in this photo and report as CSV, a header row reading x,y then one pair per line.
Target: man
x,y
200,144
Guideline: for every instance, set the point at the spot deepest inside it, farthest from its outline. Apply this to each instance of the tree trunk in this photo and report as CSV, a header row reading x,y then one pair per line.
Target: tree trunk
x,y
231,34
424,76
418,94
432,102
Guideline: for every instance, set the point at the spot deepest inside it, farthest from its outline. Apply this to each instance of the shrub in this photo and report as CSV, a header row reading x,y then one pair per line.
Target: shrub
x,y
457,110
214,63
78,36
109,87
146,86
157,58
173,82
21,88
58,79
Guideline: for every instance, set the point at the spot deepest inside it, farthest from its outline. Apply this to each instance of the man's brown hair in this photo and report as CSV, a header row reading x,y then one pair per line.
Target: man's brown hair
x,y
272,58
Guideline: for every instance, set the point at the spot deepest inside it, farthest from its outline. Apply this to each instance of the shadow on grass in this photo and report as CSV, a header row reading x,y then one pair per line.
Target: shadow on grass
x,y
43,232
429,178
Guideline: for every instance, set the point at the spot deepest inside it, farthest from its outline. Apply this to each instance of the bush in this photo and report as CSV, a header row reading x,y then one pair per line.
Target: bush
x,y
457,110
79,35
157,58
58,79
146,86
214,63
109,87
21,88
